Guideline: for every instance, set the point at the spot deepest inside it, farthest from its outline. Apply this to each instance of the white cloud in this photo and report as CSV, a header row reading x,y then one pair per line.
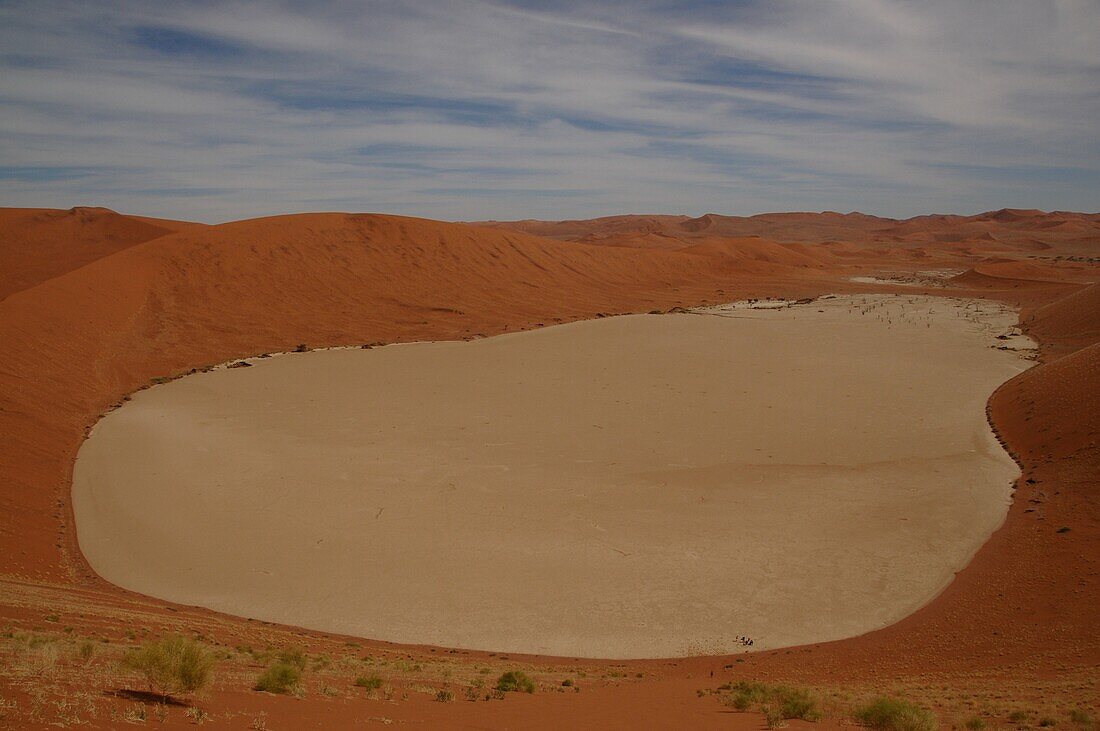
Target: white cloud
x,y
886,106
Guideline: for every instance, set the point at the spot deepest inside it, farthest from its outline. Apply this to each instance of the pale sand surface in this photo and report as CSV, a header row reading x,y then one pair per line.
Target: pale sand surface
x,y
650,485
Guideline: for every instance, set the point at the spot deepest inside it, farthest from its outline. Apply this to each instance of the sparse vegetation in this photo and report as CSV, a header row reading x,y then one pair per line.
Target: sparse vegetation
x,y
444,696
86,650
894,714
772,716
975,723
370,683
294,656
173,665
515,681
473,690
780,700
1082,718
282,677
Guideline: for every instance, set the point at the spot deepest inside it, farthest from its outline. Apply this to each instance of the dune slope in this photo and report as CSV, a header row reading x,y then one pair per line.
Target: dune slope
x,y
39,244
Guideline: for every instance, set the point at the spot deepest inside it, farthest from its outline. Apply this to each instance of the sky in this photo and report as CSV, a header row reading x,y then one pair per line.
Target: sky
x,y
475,110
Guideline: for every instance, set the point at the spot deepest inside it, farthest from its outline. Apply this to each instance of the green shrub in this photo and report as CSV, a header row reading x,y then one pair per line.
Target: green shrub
x,y
781,700
894,714
796,703
173,665
372,683
746,694
295,657
281,677
517,681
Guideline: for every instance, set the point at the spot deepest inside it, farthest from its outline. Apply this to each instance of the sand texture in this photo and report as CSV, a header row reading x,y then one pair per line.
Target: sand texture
x,y
639,486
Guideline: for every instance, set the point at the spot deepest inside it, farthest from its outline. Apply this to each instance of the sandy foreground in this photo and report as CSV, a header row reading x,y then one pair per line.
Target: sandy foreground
x,y
637,486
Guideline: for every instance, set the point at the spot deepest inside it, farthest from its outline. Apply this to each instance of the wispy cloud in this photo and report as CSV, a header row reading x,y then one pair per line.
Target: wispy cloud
x,y
466,109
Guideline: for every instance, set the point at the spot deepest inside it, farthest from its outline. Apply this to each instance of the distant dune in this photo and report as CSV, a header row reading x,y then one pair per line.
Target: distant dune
x,y
1004,230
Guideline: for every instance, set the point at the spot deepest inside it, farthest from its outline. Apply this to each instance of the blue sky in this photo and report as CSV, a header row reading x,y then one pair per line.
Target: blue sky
x,y
467,110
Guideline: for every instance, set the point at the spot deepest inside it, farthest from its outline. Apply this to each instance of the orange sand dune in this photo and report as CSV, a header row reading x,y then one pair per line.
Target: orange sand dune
x,y
595,228
1072,322
1006,231
37,244
82,331
1005,273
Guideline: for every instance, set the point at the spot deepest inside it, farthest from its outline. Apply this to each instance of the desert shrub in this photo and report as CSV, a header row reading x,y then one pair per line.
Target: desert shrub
x,y
444,696
975,723
515,681
39,656
173,665
1082,718
86,650
795,703
773,717
746,694
294,656
783,700
372,683
281,677
1047,722
894,714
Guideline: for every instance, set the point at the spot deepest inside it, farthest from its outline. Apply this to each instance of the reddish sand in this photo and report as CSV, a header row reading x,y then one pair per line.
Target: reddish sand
x,y
37,244
108,302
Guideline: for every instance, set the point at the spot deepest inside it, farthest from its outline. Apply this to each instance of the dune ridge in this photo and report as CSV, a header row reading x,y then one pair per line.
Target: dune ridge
x,y
37,244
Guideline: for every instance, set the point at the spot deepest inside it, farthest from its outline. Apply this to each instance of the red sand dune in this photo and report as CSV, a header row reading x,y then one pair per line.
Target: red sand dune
x,y
98,304
1071,322
1009,231
37,244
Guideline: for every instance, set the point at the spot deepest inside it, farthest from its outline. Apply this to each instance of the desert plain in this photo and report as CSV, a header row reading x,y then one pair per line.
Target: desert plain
x,y
869,446
626,487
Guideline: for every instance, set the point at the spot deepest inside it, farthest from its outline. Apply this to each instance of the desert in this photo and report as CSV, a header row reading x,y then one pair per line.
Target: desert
x,y
496,364
988,375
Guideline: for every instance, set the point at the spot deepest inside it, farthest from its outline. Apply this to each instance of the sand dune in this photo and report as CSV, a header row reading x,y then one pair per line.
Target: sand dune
x,y
997,231
39,244
80,336
1072,322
